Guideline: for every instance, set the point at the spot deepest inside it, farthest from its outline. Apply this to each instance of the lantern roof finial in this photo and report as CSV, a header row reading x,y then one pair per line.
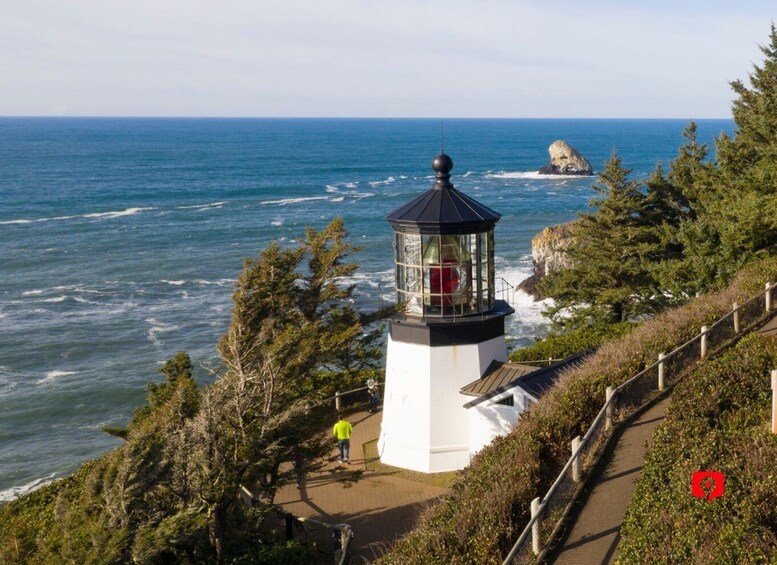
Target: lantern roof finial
x,y
442,166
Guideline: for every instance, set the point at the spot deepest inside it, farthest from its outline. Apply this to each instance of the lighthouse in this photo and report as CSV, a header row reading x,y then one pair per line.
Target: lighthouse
x,y
450,328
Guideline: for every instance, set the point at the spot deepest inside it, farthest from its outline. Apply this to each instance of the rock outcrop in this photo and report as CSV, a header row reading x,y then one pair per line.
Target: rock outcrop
x,y
566,160
548,250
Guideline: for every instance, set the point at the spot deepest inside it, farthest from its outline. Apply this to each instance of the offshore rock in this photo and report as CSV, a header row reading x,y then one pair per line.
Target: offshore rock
x,y
548,250
566,160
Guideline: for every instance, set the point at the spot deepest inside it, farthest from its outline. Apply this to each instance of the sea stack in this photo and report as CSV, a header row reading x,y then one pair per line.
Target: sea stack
x,y
566,160
548,249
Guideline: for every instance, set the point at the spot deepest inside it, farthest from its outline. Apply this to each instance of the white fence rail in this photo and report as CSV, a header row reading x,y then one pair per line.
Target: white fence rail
x,y
621,402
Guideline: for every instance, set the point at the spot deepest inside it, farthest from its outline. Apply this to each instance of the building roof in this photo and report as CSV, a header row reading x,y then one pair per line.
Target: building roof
x,y
497,375
501,377
443,209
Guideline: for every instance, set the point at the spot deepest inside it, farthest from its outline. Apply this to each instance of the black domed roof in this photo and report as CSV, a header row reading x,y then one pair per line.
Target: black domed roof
x,y
443,209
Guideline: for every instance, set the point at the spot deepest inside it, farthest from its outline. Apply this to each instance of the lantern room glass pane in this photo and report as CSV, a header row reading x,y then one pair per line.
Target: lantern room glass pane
x,y
444,275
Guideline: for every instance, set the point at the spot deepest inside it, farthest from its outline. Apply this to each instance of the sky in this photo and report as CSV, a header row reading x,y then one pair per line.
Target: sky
x,y
366,58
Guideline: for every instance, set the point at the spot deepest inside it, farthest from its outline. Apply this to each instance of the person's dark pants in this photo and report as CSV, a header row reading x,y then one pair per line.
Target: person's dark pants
x,y
345,447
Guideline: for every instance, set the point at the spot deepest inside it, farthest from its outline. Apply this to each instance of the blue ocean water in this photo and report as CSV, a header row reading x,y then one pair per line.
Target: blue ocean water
x,y
121,239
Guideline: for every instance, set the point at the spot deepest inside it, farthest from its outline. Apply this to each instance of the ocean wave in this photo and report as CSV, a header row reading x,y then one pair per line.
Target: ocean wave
x,y
201,206
158,328
285,201
338,199
55,299
32,292
9,494
6,384
533,175
105,215
382,182
53,375
331,188
173,283
116,214
219,282
277,221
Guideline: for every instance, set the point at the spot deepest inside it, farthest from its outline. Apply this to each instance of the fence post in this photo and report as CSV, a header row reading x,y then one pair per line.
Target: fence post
x,y
608,412
774,402
768,296
703,353
337,401
576,461
661,371
535,529
735,308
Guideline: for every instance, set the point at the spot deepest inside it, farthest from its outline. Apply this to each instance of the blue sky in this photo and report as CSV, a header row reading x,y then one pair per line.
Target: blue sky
x,y
488,58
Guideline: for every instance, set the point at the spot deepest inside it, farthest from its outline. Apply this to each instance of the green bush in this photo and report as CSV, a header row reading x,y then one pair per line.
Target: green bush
x,y
559,346
488,506
718,420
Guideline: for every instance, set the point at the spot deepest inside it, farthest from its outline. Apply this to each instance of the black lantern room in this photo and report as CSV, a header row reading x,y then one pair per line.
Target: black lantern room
x,y
444,252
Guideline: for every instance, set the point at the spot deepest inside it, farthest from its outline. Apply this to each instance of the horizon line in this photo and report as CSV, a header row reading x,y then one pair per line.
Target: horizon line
x,y
216,117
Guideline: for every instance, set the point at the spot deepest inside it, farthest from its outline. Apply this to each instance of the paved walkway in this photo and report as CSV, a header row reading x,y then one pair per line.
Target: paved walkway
x,y
595,535
380,507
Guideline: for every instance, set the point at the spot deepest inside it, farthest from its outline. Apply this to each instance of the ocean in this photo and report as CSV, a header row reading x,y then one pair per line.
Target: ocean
x,y
121,239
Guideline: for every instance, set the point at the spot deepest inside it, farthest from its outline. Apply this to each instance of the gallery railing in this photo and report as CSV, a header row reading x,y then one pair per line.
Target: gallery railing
x,y
620,403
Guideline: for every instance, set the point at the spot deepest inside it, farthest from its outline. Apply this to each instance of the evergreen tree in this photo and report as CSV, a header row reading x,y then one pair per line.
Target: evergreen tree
x,y
610,279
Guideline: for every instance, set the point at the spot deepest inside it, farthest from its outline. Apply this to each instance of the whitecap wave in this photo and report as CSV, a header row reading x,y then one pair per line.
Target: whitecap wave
x,y
158,328
32,292
202,206
116,214
285,201
338,199
331,188
55,299
382,182
53,375
9,494
105,215
173,283
277,221
534,175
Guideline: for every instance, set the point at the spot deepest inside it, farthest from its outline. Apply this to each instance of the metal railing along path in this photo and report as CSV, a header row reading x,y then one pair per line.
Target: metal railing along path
x,y
627,398
337,537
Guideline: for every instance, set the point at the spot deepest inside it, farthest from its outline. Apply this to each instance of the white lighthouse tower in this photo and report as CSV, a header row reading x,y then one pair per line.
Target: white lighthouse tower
x,y
450,329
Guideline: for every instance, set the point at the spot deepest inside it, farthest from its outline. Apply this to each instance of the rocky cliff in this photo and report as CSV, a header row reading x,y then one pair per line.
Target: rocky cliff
x,y
566,160
548,255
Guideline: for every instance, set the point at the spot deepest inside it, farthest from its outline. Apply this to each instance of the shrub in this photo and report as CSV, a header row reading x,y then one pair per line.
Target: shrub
x,y
559,346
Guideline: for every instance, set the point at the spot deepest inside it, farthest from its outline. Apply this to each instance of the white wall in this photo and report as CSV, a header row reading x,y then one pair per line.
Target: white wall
x,y
425,426
488,419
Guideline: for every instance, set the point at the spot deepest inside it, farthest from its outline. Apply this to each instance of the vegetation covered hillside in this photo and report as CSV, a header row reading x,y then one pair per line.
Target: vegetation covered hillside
x,y
718,420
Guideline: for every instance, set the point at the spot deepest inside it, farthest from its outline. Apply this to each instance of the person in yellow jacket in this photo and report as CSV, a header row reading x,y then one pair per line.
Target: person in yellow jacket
x,y
342,431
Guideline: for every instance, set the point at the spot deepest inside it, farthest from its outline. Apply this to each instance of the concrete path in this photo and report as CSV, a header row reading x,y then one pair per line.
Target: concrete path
x,y
595,535
380,507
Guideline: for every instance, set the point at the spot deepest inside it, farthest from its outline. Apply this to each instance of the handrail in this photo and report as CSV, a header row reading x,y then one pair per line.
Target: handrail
x,y
346,531
602,414
341,394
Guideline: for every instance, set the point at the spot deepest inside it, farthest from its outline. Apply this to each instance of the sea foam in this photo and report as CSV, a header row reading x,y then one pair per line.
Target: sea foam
x,y
9,494
533,175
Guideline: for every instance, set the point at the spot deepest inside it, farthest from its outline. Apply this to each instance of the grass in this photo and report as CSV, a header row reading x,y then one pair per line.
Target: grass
x,y
372,462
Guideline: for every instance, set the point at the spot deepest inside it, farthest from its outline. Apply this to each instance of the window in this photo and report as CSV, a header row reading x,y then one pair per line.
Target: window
x,y
506,401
